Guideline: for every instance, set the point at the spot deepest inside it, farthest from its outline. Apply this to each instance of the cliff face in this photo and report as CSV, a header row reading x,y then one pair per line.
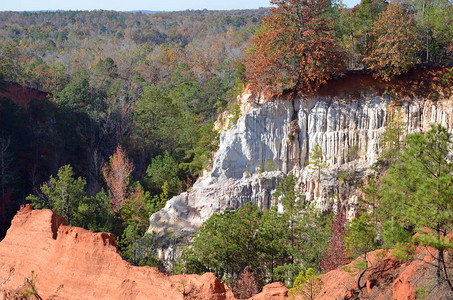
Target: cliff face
x,y
74,263
273,138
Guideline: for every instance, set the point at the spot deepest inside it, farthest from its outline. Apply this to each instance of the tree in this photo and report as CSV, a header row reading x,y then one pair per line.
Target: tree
x,y
10,64
157,120
135,213
335,255
308,285
292,202
360,239
417,193
65,195
183,89
393,43
95,213
75,96
227,243
315,160
434,20
164,169
392,137
363,20
306,231
62,194
116,174
105,71
246,287
273,231
295,47
202,154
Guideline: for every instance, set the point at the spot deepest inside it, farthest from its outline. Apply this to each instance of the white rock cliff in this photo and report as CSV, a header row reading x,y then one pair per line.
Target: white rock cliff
x,y
274,138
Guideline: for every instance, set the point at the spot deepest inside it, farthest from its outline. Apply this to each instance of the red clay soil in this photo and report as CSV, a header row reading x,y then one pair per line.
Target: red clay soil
x,y
19,94
419,82
422,82
388,278
74,263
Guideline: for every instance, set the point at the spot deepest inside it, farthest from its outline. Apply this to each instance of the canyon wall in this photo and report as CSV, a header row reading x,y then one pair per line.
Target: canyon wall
x,y
274,137
66,262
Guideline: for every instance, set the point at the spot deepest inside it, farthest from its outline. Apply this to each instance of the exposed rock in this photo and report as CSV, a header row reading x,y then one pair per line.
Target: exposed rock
x,y
185,213
387,278
74,263
19,94
276,290
274,138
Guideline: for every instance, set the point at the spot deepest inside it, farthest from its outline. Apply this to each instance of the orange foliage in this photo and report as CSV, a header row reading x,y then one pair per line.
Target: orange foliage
x,y
394,45
295,47
116,174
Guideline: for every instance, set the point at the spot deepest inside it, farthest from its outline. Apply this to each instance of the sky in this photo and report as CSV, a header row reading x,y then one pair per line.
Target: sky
x,y
129,5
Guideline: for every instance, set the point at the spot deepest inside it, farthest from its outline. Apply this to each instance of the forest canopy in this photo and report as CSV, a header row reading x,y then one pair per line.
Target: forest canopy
x,y
132,100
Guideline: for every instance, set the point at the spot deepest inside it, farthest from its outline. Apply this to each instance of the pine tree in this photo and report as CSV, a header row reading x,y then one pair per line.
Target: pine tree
x,y
392,137
360,239
307,285
316,160
62,194
416,193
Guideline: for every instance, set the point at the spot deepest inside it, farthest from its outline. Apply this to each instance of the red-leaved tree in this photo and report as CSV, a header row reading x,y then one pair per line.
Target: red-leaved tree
x,y
116,174
295,47
335,254
246,286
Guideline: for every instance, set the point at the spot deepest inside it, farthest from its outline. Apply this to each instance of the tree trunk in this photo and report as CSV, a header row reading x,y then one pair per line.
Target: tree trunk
x,y
361,275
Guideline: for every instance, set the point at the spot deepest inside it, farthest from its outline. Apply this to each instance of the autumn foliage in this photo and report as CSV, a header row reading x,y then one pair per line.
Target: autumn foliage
x,y
295,47
116,174
246,286
335,254
394,46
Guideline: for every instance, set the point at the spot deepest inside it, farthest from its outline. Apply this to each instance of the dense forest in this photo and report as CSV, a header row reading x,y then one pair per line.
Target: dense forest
x,y
152,83
128,121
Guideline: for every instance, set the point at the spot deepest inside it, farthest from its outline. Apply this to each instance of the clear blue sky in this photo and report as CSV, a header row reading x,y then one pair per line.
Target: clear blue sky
x,y
128,5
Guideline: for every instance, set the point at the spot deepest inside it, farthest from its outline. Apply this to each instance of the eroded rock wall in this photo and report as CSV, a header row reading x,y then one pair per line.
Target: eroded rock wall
x,y
274,138
74,263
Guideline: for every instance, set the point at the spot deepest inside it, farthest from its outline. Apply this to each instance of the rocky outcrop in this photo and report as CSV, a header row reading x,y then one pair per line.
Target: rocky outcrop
x,y
74,263
387,278
19,94
274,137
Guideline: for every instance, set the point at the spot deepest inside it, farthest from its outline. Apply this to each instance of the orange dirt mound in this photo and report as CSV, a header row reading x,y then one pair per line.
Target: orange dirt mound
x,y
74,263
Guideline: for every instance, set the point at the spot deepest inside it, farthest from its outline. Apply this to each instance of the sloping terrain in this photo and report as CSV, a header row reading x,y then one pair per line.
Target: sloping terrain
x,y
19,94
387,278
274,137
71,262
74,263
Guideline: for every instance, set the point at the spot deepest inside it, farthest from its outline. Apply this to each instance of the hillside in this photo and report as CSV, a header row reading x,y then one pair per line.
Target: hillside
x,y
65,262
71,262
261,148
275,135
